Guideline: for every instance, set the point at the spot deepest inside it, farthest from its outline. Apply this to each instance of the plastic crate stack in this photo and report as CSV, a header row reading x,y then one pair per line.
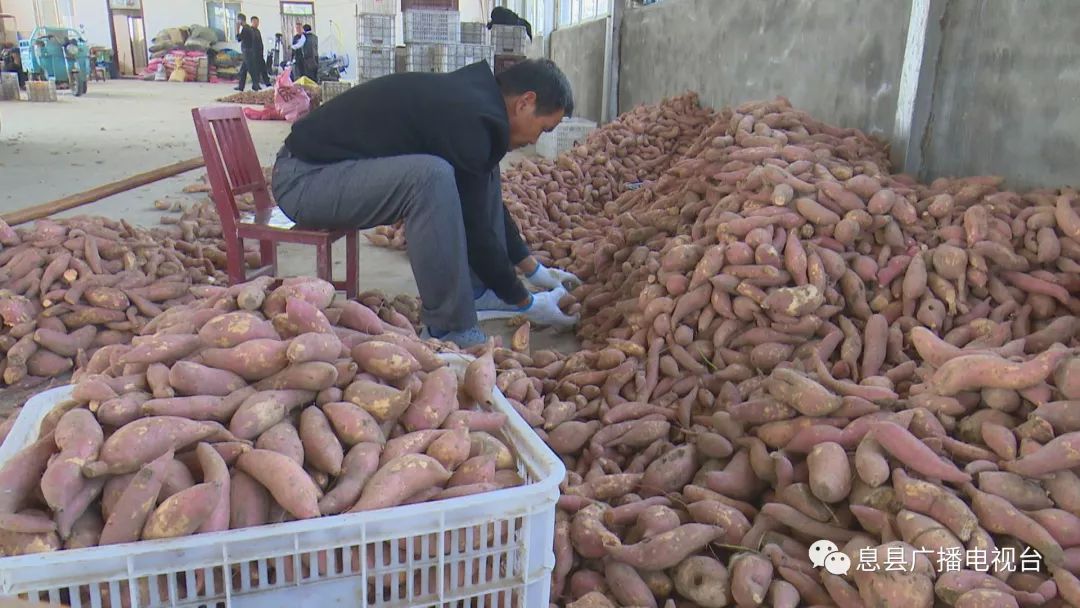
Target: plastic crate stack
x,y
437,41
375,51
510,42
569,133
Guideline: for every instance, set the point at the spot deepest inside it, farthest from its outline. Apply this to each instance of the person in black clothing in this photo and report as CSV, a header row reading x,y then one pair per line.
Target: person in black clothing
x,y
245,36
425,148
297,47
259,51
311,54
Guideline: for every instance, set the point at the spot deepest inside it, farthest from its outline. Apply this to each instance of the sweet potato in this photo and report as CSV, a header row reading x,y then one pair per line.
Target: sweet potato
x,y
249,502
23,471
383,402
126,518
190,378
264,409
184,512
666,550
79,437
480,377
139,442
353,424
321,448
311,376
66,344
253,360
215,471
314,347
357,468
287,481
235,328
164,348
451,449
830,473
399,479
384,360
436,399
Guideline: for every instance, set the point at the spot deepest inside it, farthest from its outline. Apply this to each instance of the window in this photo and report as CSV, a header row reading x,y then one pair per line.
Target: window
x,y
221,16
297,9
573,12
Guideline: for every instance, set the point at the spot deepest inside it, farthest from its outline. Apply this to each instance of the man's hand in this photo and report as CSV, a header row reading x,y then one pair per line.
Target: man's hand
x,y
551,278
544,309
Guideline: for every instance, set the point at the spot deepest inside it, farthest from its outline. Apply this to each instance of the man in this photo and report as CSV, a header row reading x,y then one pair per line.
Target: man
x,y
259,52
244,36
311,54
297,46
425,148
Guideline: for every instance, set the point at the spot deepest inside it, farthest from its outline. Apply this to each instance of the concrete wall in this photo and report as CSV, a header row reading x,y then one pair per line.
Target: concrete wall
x,y
1007,93
840,61
23,10
579,51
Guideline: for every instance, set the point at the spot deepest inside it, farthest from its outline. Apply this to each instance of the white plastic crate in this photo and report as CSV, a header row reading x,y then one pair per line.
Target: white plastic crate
x,y
432,26
9,86
509,39
450,57
474,32
374,61
41,90
491,549
331,89
373,29
570,132
420,58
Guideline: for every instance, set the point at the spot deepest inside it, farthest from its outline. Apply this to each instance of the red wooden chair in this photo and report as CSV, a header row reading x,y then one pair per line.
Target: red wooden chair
x,y
233,168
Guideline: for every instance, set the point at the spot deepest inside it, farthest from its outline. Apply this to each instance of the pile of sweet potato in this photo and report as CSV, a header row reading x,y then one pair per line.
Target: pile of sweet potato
x,y
70,286
786,343
252,405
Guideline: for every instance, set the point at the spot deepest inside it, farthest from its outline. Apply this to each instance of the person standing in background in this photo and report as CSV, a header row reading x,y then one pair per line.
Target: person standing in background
x,y
311,54
259,51
244,35
297,46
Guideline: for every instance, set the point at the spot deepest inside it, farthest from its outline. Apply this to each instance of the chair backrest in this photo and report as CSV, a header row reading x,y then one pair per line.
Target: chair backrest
x,y
232,164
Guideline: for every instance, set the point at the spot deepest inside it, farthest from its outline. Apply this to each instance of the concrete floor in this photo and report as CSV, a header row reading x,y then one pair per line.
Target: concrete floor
x,y
124,127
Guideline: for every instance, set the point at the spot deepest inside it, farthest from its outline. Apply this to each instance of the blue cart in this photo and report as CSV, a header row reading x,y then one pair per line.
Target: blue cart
x,y
62,55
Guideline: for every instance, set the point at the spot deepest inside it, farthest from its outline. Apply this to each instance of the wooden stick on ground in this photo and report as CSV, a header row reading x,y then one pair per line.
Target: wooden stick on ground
x,y
82,198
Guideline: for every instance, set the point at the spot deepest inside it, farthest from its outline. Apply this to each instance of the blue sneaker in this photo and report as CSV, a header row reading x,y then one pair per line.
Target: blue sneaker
x,y
464,339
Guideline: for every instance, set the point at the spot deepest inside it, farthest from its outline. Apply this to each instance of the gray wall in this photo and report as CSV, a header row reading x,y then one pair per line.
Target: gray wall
x,y
579,51
839,61
1007,96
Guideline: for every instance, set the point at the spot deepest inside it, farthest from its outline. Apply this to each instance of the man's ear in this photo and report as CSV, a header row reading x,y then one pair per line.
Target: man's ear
x,y
526,100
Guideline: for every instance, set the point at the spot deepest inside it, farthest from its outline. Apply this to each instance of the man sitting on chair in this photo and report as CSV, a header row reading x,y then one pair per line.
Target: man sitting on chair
x,y
425,148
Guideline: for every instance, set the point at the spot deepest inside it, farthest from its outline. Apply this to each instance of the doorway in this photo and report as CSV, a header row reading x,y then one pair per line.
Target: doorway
x,y
291,14
128,36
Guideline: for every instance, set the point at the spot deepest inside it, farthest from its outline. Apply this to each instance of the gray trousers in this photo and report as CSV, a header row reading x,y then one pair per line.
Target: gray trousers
x,y
419,189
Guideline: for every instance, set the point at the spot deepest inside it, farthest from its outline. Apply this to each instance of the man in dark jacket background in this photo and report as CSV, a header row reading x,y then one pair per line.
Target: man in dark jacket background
x,y
311,54
425,148
258,49
245,36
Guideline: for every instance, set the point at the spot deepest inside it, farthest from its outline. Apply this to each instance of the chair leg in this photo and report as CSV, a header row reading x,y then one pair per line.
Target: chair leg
x,y
268,255
352,264
234,259
323,267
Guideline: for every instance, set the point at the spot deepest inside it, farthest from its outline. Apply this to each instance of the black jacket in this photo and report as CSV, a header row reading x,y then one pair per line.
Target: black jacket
x,y
257,41
460,117
245,38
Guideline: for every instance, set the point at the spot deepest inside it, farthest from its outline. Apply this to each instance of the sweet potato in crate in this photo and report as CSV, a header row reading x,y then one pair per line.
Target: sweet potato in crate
x,y
492,549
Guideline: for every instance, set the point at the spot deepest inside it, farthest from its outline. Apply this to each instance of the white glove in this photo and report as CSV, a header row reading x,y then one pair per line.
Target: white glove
x,y
551,278
544,309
